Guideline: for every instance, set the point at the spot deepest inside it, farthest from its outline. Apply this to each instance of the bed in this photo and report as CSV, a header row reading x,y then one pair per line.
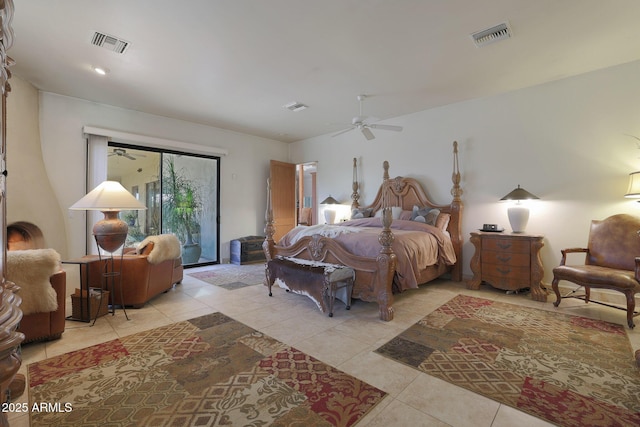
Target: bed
x,y
388,255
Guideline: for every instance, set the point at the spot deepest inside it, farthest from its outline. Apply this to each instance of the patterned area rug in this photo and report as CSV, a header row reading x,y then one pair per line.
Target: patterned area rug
x,y
568,370
231,276
211,370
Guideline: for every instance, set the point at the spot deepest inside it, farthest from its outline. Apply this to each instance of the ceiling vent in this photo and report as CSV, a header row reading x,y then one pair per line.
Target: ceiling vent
x,y
295,106
491,35
112,43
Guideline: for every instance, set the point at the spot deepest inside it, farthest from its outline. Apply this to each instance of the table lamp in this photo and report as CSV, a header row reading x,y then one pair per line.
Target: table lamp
x,y
329,213
633,192
110,198
518,213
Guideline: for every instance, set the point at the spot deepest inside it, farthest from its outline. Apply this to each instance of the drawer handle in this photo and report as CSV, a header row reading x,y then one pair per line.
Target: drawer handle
x,y
504,245
504,258
507,271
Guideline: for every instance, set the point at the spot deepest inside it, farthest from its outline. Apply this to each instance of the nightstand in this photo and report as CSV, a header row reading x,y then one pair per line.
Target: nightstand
x,y
509,261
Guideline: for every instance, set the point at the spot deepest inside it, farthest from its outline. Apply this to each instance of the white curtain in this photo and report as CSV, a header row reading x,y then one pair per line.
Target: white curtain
x,y
96,173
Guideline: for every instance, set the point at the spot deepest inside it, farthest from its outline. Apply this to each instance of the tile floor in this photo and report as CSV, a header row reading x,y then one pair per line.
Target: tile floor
x,y
345,341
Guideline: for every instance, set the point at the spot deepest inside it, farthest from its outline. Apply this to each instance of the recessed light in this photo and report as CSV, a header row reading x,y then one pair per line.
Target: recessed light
x,y
101,70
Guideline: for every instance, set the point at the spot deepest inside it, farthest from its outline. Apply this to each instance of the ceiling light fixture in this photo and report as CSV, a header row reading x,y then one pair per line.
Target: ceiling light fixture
x,y
101,70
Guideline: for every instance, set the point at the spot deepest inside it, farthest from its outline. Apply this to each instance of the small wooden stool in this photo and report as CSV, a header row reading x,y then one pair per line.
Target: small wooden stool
x,y
320,281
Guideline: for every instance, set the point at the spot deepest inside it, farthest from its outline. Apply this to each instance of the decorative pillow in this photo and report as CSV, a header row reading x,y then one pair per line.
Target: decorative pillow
x,y
406,215
443,221
425,214
361,213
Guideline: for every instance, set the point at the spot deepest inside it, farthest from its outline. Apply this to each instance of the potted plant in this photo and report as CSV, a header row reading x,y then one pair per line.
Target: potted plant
x,y
130,217
180,209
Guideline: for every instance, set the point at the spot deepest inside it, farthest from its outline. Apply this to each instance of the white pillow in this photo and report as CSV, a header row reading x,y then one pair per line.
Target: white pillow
x,y
395,212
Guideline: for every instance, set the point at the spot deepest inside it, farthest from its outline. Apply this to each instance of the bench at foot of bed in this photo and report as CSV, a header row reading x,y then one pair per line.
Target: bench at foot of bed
x,y
320,281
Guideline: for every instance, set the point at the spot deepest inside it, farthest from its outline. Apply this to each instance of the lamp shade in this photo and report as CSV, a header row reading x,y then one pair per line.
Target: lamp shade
x,y
519,194
329,201
108,196
634,186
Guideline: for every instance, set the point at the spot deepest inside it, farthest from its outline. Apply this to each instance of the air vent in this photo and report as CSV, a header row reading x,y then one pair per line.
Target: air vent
x,y
491,35
295,106
112,43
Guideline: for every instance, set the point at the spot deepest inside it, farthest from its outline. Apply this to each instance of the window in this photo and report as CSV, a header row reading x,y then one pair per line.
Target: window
x,y
181,192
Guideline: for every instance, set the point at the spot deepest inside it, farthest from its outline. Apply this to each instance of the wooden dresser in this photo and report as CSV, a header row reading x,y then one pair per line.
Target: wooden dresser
x,y
509,261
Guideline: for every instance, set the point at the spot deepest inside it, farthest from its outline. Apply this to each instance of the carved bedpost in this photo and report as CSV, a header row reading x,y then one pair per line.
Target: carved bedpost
x,y
269,229
386,266
355,196
455,230
386,259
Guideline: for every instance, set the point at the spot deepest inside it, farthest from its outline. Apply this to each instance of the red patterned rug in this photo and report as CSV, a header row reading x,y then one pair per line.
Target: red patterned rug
x,y
569,370
211,370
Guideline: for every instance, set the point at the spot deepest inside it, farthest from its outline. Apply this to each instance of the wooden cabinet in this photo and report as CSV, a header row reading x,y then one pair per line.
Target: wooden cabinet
x,y
509,261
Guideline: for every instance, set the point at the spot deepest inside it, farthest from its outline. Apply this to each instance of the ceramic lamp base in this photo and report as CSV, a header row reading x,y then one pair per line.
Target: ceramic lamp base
x,y
518,218
110,232
329,216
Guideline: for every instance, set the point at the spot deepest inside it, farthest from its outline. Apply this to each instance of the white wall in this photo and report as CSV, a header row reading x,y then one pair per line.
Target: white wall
x,y
563,141
30,197
243,171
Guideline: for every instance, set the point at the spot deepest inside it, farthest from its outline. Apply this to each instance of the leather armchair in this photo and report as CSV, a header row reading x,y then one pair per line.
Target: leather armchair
x,y
612,261
47,326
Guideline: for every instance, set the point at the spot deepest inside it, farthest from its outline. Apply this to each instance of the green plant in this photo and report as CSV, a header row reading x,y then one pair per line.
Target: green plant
x,y
181,202
130,217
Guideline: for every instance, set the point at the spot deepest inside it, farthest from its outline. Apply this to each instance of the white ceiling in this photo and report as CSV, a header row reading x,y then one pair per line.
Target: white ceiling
x,y
234,63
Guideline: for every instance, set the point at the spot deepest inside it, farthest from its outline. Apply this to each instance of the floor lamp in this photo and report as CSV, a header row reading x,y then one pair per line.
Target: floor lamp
x,y
110,233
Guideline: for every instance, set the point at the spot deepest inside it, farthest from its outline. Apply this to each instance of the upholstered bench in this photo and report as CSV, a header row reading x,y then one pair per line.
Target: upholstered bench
x,y
320,281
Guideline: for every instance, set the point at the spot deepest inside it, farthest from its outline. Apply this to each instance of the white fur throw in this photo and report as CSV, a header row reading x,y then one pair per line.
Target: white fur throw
x,y
165,246
31,270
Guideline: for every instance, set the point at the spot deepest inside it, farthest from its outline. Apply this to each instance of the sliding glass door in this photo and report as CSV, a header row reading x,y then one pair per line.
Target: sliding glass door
x,y
182,195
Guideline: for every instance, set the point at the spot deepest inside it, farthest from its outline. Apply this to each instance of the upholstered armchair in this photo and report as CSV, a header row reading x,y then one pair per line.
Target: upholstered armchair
x,y
153,268
612,261
43,291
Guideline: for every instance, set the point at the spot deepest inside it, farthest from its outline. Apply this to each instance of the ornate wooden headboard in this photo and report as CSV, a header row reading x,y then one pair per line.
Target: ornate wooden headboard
x,y
408,192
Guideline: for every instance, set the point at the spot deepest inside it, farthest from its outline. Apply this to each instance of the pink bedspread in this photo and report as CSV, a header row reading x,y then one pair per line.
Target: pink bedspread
x,y
416,245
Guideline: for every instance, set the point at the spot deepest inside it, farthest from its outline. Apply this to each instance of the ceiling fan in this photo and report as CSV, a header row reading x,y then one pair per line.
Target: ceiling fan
x,y
121,152
364,124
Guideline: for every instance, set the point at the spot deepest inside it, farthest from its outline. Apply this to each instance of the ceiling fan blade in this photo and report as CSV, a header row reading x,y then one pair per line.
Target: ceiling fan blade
x,y
367,133
112,154
128,156
343,131
386,127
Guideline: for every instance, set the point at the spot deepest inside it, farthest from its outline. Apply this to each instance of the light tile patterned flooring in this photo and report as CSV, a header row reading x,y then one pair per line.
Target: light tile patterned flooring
x,y
346,341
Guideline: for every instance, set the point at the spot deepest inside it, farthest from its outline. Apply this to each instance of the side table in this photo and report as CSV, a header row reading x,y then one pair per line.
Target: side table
x,y
83,264
509,261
